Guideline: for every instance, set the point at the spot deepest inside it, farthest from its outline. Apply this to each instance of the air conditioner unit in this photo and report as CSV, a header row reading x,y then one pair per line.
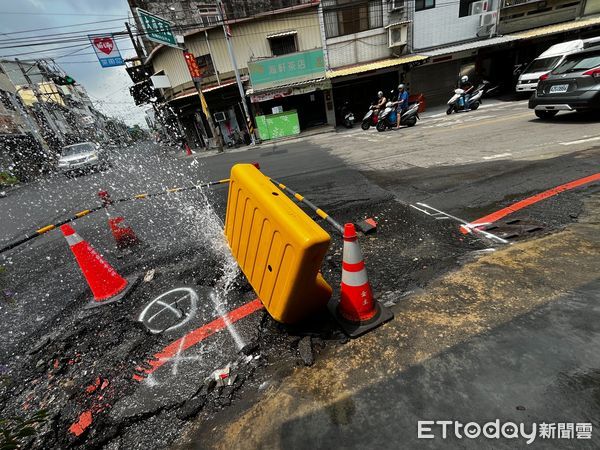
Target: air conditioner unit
x,y
396,5
487,24
479,7
487,19
397,35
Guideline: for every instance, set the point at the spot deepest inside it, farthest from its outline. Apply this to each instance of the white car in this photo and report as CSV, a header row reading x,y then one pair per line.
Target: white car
x,y
81,157
548,61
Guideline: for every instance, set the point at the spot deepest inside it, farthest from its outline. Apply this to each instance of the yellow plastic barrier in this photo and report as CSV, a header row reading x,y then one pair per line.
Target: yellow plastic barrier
x,y
277,245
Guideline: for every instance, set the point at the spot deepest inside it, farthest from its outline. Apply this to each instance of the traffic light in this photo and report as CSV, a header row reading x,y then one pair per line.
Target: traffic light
x,y
63,81
139,73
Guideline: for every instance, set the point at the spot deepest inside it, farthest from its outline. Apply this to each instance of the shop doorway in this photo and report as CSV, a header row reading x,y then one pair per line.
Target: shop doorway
x,y
361,92
310,108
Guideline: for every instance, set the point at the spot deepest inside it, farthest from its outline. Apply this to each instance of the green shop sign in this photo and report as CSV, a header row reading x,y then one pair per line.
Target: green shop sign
x,y
292,68
157,29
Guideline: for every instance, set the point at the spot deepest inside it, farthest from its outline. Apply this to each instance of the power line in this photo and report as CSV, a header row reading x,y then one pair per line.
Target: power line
x,y
45,37
64,26
28,13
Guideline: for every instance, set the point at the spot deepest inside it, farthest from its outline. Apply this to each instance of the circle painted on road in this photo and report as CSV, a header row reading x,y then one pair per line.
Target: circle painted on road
x,y
170,310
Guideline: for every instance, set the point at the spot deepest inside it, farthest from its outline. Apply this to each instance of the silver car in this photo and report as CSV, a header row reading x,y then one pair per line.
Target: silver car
x,y
81,157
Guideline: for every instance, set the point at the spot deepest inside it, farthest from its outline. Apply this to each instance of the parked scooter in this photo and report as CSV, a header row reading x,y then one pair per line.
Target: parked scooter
x,y
457,104
347,115
388,117
370,118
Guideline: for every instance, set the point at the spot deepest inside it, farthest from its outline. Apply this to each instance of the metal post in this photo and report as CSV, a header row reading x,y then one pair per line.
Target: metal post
x,y
221,12
138,50
212,59
217,136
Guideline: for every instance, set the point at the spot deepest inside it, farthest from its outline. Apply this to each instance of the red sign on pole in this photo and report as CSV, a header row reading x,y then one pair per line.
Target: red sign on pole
x,y
193,67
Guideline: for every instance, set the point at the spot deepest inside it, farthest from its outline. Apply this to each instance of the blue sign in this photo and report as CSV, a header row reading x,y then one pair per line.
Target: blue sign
x,y
106,50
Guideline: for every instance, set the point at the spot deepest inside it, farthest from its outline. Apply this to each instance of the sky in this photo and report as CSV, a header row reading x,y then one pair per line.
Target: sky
x,y
107,87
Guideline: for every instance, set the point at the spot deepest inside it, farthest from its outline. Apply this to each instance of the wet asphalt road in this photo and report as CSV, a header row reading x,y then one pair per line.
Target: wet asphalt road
x,y
463,164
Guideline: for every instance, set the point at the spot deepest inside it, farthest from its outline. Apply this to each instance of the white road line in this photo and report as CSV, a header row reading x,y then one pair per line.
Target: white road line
x,y
499,155
467,225
581,141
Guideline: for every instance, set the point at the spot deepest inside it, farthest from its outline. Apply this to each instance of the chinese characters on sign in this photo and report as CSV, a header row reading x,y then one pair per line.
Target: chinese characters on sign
x,y
282,70
193,67
157,29
106,50
430,429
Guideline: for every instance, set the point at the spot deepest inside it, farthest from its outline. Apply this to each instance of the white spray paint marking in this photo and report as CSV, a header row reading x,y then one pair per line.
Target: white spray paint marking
x,y
433,212
499,155
170,307
188,292
150,381
581,141
177,357
239,342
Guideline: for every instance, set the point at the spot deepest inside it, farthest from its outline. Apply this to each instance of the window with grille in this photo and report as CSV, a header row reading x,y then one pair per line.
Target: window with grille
x,y
283,45
206,65
420,5
351,16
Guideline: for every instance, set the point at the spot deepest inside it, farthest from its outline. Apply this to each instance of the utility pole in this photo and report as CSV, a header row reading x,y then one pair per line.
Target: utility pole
x,y
196,77
226,31
138,50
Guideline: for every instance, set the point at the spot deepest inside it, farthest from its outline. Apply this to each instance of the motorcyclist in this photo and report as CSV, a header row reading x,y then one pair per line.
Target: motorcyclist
x,y
467,87
381,102
401,103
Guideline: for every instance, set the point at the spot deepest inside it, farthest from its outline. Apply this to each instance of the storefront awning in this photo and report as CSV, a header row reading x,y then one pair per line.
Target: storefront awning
x,y
475,45
192,92
367,67
521,36
558,28
299,88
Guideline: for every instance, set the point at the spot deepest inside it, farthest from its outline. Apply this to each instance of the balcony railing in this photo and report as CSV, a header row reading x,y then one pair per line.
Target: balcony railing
x,y
511,3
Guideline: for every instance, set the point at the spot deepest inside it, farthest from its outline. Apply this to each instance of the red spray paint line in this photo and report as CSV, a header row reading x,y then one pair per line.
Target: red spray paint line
x,y
495,216
198,335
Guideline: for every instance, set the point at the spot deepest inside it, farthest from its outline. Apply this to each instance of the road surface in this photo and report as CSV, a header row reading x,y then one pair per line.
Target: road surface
x,y
467,307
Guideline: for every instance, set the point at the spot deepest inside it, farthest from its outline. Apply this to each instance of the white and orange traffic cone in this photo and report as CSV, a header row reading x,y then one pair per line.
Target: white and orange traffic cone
x,y
357,311
123,234
106,284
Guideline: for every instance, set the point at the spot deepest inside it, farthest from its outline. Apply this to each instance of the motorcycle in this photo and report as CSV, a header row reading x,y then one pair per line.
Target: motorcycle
x,y
388,117
347,115
369,119
457,104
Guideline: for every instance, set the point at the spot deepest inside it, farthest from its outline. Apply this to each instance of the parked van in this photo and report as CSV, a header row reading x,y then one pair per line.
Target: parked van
x,y
545,63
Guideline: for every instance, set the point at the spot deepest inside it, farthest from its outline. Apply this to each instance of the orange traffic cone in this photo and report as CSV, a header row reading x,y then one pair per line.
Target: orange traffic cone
x,y
357,311
106,284
123,234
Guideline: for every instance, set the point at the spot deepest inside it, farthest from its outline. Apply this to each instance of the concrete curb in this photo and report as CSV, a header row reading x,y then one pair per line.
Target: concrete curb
x,y
264,144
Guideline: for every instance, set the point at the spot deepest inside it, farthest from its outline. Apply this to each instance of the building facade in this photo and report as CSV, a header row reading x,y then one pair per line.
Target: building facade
x,y
351,49
264,40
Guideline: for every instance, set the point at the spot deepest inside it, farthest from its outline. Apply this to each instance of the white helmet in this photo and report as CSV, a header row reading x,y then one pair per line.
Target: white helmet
x,y
380,94
400,86
464,79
